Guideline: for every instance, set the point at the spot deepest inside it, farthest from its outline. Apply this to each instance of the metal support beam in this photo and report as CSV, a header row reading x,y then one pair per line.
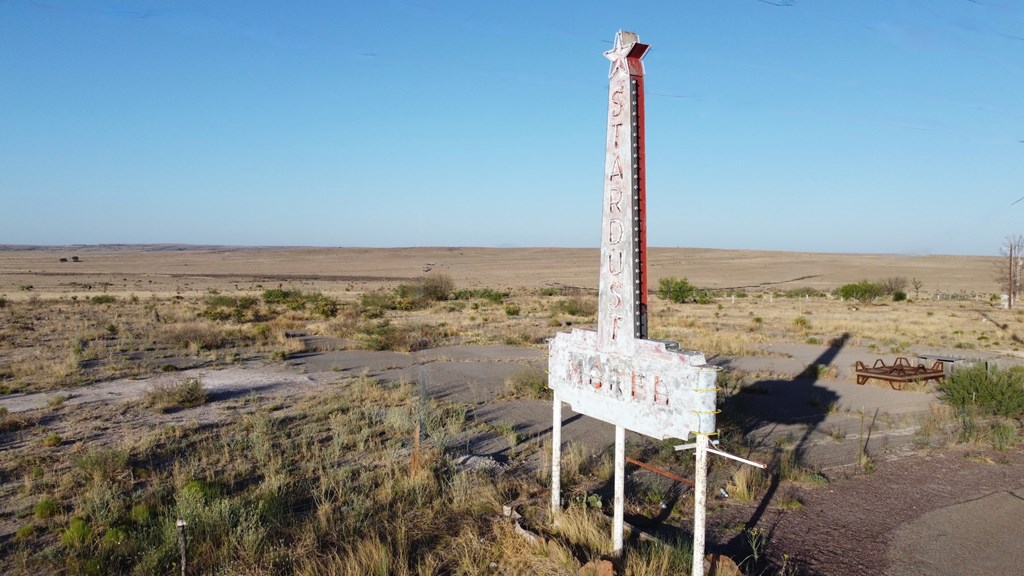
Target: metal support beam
x,y
700,495
620,489
556,454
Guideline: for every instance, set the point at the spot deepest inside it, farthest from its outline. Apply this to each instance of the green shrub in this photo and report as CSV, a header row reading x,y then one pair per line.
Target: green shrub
x,y
511,310
140,514
676,290
52,440
103,299
113,538
26,532
3,301
45,508
77,535
280,296
1004,436
994,392
324,306
899,296
862,291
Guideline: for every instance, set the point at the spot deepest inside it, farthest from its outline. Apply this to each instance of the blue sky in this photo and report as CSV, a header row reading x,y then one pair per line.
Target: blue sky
x,y
875,126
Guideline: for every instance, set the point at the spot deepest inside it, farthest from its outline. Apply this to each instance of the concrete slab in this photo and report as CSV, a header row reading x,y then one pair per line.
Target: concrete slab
x,y
353,362
981,536
482,353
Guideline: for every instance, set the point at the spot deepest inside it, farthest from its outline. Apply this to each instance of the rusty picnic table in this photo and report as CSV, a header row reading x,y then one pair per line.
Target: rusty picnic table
x,y
899,372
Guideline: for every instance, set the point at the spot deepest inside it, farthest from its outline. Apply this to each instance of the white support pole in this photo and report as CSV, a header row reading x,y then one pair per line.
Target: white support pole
x,y
620,489
556,454
700,496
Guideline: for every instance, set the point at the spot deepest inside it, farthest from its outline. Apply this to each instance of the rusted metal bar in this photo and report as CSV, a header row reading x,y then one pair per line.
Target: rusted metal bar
x,y
657,470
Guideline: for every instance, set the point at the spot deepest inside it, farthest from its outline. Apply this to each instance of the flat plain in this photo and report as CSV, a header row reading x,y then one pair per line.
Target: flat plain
x,y
271,397
172,268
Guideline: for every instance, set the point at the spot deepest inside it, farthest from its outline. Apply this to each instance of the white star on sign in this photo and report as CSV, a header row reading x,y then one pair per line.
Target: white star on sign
x,y
618,54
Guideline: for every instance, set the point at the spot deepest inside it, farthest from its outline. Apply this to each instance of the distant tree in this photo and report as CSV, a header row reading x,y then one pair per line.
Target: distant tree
x,y
75,259
917,287
63,260
894,284
1010,270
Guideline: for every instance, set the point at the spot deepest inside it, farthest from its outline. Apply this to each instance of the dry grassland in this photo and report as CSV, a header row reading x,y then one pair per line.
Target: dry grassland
x,y
278,490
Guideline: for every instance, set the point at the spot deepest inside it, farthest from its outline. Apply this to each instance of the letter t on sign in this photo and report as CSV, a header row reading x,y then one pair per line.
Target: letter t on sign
x,y
622,298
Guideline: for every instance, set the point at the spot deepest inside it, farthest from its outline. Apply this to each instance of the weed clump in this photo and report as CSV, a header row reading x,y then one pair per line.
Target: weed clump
x,y
576,306
528,382
167,397
45,508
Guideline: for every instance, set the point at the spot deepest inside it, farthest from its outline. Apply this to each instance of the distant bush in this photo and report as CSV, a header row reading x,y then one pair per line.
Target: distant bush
x,y
803,292
511,310
102,299
319,303
680,290
862,291
489,294
280,296
899,296
437,287
894,284
383,335
577,306
994,392
550,291
324,305
3,301
202,336
222,307
378,299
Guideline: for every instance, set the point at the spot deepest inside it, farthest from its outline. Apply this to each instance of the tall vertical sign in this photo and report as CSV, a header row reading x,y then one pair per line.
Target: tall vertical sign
x,y
616,374
623,285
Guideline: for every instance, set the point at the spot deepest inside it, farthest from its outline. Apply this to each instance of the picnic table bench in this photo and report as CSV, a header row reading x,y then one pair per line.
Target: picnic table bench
x,y
899,372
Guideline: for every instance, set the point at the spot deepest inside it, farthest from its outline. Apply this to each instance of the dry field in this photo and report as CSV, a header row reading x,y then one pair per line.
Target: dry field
x,y
177,270
275,488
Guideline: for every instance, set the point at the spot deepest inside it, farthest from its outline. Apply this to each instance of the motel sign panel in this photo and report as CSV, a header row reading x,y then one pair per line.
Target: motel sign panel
x,y
658,390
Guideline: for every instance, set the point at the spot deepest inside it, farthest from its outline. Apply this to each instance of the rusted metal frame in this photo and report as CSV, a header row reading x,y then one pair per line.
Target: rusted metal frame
x,y
901,371
657,470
